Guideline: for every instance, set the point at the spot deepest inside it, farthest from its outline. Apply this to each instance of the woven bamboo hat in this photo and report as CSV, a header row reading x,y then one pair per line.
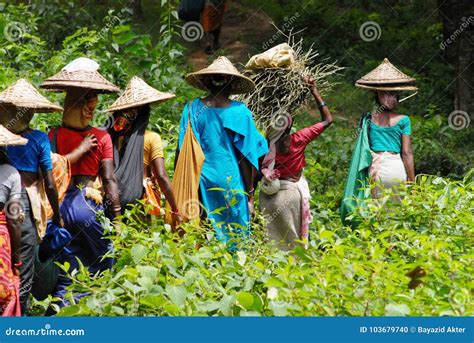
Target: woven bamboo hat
x,y
80,73
222,66
138,93
387,77
8,138
23,94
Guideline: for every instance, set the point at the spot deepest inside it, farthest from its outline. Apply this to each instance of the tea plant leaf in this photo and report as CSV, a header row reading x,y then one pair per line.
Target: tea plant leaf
x,y
177,294
245,299
138,252
397,310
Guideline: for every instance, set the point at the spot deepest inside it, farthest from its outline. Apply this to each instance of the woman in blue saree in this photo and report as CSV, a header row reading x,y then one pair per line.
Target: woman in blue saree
x,y
231,144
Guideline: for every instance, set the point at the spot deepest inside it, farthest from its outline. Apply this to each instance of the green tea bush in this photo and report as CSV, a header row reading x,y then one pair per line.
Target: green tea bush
x,y
408,258
120,50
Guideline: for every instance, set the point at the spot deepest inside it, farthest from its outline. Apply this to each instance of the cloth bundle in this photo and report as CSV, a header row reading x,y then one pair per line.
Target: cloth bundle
x,y
278,74
280,56
186,176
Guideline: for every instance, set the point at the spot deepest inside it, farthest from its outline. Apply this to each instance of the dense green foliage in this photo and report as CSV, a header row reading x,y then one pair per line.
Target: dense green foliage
x,y
409,33
344,271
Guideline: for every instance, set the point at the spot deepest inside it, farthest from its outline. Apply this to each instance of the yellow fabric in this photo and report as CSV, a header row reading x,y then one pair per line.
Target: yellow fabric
x,y
152,197
62,177
37,195
186,178
94,194
40,206
153,148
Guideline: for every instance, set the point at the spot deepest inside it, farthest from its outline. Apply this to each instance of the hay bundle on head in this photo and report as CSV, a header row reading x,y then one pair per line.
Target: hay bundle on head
x,y
278,75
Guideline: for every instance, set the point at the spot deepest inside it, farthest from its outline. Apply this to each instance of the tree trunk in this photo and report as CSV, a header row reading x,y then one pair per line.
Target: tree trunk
x,y
458,48
137,9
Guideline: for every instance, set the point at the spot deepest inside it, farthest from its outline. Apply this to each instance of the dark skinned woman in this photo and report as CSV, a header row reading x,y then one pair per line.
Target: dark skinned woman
x,y
138,152
231,144
285,196
389,131
82,83
10,229
18,104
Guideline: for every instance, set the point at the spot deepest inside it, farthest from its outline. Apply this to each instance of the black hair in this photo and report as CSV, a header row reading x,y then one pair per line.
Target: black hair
x,y
376,99
3,156
144,110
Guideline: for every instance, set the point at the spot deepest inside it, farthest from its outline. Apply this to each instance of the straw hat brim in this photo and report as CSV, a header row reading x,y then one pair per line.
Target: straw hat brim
x,y
240,84
386,81
154,100
64,86
8,138
383,87
37,107
65,80
23,94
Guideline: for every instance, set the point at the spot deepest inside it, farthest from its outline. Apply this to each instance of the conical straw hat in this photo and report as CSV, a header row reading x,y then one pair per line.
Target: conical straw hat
x,y
80,73
23,94
222,66
388,87
386,77
9,138
138,93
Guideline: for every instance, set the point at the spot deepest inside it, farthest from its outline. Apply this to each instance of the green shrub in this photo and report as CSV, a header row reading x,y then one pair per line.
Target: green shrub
x,y
343,272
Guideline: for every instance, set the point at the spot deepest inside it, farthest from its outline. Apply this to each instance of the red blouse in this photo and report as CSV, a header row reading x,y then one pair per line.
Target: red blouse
x,y
67,140
291,164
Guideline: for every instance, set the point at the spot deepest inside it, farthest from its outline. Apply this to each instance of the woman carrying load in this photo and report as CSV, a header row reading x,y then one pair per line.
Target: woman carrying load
x,y
10,229
226,144
82,83
138,152
19,102
285,196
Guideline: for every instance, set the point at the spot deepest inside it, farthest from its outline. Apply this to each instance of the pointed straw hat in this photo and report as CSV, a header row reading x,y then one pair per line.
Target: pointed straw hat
x,y
8,138
387,77
80,73
222,66
23,94
138,93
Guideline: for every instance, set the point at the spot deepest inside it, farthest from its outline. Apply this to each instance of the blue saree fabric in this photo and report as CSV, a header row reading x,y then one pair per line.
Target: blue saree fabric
x,y
87,244
222,132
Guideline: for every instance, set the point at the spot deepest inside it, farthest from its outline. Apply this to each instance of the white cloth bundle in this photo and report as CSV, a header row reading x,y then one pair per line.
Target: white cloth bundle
x,y
82,63
280,56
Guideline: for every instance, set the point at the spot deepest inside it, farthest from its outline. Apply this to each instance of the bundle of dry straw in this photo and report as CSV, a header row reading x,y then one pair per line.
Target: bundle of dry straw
x,y
282,89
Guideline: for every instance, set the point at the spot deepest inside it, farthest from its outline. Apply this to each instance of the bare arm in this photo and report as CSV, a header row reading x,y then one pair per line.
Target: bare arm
x,y
326,115
407,157
161,175
248,174
14,231
109,180
176,155
52,194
